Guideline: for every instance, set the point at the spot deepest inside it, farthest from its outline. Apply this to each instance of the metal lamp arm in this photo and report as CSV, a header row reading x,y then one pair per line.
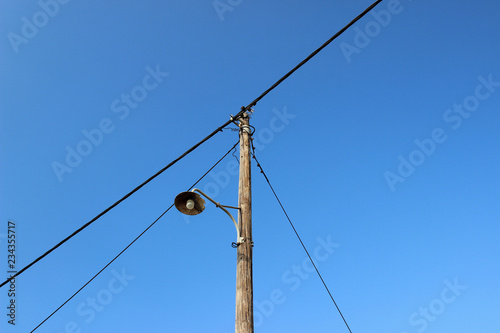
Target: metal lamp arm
x,y
239,239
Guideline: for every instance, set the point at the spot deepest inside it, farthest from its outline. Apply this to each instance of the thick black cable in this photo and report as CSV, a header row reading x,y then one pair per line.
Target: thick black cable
x,y
116,203
309,57
219,129
301,242
130,244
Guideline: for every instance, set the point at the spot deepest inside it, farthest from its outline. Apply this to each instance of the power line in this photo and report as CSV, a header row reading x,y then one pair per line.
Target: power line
x,y
300,240
130,244
219,129
309,57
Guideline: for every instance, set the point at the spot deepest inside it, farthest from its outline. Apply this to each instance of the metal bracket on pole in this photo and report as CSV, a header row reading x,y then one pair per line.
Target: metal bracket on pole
x,y
247,129
239,239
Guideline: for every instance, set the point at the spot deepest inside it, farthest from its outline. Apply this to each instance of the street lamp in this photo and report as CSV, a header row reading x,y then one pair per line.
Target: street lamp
x,y
191,203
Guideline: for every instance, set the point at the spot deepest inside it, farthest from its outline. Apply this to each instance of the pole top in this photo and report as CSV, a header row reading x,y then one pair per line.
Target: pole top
x,y
246,112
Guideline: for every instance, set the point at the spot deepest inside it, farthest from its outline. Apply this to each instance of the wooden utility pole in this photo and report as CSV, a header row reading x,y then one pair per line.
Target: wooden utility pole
x,y
244,281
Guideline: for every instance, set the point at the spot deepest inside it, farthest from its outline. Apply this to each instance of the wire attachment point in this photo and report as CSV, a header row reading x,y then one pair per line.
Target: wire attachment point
x,y
240,241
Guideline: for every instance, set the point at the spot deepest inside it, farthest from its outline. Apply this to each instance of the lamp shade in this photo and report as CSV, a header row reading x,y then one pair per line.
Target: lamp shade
x,y
189,203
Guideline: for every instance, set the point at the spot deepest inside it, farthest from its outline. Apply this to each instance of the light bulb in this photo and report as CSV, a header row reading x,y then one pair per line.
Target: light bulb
x,y
190,204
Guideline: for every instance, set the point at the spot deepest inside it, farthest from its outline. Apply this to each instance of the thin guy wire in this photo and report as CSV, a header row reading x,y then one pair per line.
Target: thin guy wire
x,y
236,157
301,242
219,129
135,239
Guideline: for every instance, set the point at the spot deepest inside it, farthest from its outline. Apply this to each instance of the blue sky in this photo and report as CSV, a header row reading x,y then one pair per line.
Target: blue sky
x,y
383,148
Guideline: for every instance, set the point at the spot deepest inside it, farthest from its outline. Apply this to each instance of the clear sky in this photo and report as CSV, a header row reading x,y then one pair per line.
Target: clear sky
x,y
384,150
